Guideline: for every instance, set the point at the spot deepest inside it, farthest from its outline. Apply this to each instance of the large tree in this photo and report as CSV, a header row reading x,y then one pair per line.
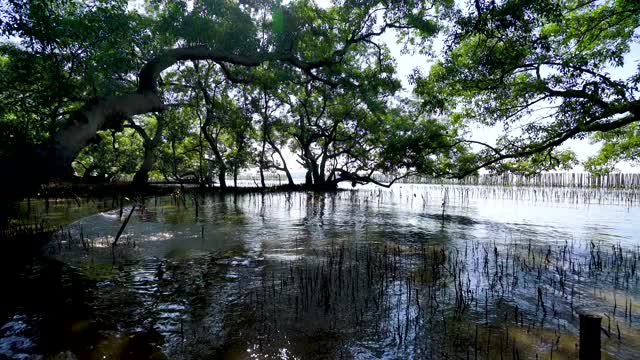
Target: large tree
x,y
298,36
273,131
59,55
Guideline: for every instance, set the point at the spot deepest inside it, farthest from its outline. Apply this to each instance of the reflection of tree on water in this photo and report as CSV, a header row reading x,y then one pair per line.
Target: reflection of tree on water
x,y
315,204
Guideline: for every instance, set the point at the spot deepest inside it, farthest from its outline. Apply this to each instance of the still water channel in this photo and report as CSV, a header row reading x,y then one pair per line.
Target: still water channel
x,y
415,271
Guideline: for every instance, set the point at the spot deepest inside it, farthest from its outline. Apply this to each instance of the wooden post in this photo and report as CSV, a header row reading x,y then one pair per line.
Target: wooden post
x,y
590,337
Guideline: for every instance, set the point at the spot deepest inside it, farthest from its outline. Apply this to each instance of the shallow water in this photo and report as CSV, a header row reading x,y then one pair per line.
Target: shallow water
x,y
418,271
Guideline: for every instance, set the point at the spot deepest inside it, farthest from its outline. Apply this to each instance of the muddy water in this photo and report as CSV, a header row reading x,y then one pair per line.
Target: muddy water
x,y
418,271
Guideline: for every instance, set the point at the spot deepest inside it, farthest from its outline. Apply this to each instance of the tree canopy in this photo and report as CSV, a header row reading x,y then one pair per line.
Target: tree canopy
x,y
202,90
543,70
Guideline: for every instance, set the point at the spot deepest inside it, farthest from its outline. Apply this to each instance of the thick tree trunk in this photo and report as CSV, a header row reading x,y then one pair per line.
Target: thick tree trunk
x,y
312,177
312,166
83,125
308,179
173,159
262,183
141,176
288,173
323,164
264,140
203,179
149,145
222,168
235,177
222,177
284,163
318,178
